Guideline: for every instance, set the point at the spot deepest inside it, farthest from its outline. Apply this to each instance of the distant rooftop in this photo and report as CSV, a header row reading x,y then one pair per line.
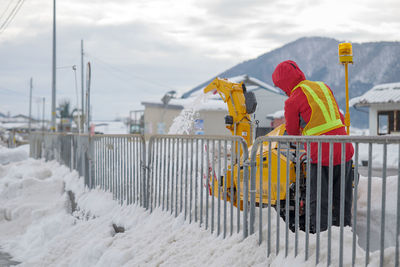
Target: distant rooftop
x,y
379,94
196,102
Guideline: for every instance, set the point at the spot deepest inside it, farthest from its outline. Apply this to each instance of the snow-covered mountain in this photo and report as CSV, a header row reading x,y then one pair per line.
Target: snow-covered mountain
x,y
375,63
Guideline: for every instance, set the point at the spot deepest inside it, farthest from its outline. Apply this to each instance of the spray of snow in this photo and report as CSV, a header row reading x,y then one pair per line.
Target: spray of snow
x,y
183,123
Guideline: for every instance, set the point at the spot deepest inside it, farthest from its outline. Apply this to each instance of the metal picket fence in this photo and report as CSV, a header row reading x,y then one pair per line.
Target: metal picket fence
x,y
68,149
194,177
180,170
118,166
263,189
113,163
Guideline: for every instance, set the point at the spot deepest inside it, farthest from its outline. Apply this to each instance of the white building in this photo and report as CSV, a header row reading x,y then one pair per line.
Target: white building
x,y
383,101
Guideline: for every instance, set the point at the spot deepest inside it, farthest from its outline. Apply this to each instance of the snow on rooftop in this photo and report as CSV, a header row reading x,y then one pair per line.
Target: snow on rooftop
x,y
276,115
212,103
253,83
111,127
264,85
382,93
20,125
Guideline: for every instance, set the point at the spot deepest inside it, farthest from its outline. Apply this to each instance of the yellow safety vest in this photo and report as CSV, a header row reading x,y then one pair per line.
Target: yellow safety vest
x,y
325,115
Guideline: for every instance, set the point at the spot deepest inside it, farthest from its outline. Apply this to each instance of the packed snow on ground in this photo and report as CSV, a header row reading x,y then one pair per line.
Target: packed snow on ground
x,y
39,227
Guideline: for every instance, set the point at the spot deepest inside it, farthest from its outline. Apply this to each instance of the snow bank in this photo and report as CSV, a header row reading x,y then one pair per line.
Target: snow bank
x,y
392,156
8,155
39,227
376,211
377,151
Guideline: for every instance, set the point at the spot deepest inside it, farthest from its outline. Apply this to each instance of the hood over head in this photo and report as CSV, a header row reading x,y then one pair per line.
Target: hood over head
x,y
287,75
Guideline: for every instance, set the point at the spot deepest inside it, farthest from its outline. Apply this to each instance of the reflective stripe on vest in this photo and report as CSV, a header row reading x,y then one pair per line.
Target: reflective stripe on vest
x,y
331,118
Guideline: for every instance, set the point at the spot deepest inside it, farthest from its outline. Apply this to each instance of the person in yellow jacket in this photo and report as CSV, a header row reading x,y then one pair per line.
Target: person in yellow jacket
x,y
311,109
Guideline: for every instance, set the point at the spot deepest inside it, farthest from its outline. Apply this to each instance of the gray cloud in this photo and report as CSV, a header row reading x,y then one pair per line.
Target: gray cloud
x,y
130,63
141,49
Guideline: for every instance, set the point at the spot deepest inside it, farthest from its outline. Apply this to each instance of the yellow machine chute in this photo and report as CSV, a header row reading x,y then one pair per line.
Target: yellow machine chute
x,y
240,104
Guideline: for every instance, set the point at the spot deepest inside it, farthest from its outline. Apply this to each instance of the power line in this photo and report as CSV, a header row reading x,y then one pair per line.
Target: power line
x,y
11,91
11,16
15,13
110,66
5,11
15,92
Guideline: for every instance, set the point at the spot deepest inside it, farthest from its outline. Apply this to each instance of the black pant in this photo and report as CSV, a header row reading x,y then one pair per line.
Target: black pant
x,y
349,175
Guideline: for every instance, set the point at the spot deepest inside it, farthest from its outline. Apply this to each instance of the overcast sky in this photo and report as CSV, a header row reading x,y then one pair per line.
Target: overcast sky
x,y
140,49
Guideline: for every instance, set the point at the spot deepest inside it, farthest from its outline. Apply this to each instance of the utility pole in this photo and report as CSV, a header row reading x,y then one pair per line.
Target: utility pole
x,y
30,105
44,104
38,112
53,92
82,88
88,80
77,99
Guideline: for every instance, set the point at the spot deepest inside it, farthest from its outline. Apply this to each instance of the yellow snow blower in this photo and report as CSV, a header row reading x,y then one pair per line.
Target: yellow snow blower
x,y
240,105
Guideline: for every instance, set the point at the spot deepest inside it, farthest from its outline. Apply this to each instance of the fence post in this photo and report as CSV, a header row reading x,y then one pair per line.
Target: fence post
x,y
246,165
253,169
85,146
91,161
145,175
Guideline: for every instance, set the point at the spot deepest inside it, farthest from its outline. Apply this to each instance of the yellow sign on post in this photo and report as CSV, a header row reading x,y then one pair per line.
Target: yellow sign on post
x,y
345,53
346,57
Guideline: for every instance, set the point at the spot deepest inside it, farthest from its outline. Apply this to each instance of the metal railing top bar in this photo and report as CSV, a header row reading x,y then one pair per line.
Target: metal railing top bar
x,y
331,138
117,135
285,138
59,133
96,136
199,137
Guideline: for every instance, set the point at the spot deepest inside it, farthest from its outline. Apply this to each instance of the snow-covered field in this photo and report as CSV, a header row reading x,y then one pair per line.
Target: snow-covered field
x,y
40,226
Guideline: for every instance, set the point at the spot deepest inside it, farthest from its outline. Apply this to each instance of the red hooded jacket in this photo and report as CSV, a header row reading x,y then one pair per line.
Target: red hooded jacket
x,y
286,76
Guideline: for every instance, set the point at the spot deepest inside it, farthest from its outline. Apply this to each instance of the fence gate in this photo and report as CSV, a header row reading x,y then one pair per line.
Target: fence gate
x,y
280,194
117,164
193,175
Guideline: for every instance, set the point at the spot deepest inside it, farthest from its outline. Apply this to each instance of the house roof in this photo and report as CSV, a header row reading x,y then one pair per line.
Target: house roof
x,y
379,94
250,82
20,116
198,103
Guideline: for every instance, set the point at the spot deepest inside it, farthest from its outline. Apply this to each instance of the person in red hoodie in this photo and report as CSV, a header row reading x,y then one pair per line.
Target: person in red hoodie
x,y
311,109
